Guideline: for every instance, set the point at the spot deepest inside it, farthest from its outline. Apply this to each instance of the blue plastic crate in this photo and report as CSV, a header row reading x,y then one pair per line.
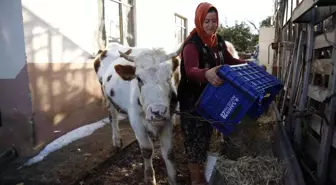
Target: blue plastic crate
x,y
247,89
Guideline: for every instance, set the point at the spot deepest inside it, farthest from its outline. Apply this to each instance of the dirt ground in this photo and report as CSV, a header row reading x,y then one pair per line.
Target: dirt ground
x,y
126,168
93,160
69,164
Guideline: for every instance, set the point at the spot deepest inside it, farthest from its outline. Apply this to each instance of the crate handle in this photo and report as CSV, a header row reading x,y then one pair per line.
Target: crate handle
x,y
239,65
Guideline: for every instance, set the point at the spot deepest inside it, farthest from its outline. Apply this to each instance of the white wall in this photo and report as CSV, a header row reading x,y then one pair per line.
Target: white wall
x,y
266,37
66,30
12,50
60,30
156,26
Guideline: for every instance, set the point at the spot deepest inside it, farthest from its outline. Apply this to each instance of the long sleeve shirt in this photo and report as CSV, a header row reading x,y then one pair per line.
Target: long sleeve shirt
x,y
191,62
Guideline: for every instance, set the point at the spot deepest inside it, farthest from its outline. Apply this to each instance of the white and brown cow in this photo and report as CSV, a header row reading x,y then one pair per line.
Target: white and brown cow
x,y
138,82
232,49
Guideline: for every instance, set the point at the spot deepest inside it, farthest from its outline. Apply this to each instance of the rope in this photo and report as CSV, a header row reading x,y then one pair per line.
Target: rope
x,y
296,114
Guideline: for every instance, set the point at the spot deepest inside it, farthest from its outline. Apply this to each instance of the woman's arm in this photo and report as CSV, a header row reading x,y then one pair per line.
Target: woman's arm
x,y
191,63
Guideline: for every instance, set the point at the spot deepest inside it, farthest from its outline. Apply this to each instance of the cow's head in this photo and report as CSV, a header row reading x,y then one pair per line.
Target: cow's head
x,y
152,77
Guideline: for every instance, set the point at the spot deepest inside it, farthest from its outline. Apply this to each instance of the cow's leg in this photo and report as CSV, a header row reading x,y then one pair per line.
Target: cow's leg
x,y
166,138
146,147
104,98
106,102
113,116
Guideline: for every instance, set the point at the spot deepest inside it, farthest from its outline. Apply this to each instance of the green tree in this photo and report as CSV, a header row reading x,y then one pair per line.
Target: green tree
x,y
240,36
266,22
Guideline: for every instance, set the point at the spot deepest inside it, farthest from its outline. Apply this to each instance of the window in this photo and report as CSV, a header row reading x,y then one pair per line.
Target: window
x,y
119,21
289,10
180,28
294,4
285,15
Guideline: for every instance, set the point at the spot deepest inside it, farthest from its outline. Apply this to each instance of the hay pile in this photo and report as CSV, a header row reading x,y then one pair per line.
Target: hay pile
x,y
251,138
260,170
248,158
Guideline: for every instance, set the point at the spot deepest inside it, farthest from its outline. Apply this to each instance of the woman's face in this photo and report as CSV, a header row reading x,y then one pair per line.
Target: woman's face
x,y
210,23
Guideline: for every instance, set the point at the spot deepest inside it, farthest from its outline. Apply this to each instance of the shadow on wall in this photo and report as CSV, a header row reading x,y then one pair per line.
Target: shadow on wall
x,y
64,88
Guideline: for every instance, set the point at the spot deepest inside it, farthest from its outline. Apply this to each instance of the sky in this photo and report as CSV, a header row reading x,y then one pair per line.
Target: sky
x,y
242,10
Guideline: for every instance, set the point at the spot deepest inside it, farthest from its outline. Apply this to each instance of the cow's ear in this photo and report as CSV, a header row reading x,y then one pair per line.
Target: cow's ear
x,y
126,72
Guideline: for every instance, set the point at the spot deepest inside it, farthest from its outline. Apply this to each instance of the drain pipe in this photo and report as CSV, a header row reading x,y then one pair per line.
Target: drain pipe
x,y
268,53
0,118
32,129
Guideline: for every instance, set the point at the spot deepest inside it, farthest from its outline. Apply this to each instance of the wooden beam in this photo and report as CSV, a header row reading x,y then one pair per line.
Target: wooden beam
x,y
325,2
323,12
321,42
302,13
315,123
322,66
328,129
317,93
311,146
284,151
301,9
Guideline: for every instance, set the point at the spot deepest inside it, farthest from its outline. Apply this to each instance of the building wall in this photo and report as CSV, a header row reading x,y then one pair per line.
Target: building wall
x,y
59,37
15,101
266,37
154,27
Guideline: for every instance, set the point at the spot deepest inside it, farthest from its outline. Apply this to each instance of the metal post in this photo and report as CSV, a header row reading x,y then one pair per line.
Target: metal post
x,y
289,73
304,94
296,73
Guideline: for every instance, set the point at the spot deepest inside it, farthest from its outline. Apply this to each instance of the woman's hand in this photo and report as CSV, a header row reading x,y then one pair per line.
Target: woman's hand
x,y
212,77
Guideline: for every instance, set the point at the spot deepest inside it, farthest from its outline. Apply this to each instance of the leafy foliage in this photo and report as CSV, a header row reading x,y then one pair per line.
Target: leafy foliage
x,y
240,36
266,22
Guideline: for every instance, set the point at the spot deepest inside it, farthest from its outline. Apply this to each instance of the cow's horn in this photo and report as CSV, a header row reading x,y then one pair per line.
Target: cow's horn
x,y
127,57
173,54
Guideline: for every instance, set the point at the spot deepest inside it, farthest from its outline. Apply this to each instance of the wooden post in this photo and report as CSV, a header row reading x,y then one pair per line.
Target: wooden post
x,y
327,129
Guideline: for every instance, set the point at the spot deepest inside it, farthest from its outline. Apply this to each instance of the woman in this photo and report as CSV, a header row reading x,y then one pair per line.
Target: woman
x,y
203,52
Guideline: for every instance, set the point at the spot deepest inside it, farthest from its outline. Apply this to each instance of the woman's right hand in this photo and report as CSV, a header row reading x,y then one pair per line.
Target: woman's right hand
x,y
212,77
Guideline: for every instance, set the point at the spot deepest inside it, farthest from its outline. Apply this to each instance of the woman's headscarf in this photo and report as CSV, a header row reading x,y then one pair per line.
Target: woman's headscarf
x,y
200,14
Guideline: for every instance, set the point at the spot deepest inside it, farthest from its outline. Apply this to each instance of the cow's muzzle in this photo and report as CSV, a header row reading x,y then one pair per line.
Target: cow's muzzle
x,y
157,114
